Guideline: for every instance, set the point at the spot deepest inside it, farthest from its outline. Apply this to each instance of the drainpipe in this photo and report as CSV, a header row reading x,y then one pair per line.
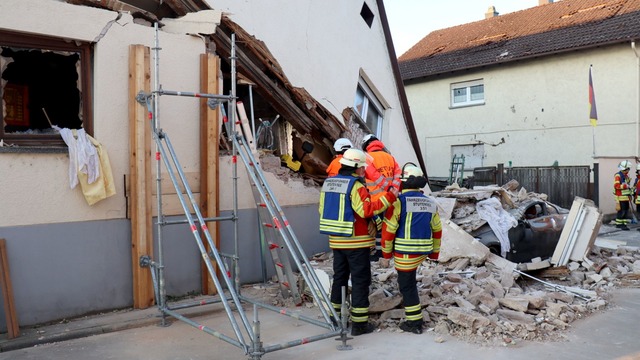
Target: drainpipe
x,y
635,50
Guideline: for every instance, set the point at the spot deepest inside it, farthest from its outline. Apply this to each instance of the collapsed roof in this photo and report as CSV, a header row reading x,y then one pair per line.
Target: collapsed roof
x,y
310,119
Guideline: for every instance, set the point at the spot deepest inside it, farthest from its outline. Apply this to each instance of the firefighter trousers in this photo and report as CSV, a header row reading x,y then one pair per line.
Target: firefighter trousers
x,y
354,263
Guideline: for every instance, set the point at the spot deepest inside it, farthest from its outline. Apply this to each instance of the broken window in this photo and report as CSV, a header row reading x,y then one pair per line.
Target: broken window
x,y
369,109
467,93
43,82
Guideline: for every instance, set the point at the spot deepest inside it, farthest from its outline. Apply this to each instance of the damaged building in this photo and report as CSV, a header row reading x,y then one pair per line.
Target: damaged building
x,y
307,74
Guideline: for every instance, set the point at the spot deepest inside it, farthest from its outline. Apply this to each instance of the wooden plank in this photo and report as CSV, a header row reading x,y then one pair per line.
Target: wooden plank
x,y
140,170
210,125
13,330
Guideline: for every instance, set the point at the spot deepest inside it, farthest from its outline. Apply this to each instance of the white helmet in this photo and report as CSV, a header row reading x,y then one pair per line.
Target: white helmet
x,y
342,144
410,169
354,158
638,167
368,138
624,165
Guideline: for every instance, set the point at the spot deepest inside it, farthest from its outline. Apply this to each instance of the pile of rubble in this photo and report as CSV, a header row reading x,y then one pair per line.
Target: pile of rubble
x,y
459,204
480,297
484,303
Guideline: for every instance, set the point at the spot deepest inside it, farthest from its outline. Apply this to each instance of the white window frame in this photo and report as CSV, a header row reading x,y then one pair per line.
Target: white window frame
x,y
467,86
369,101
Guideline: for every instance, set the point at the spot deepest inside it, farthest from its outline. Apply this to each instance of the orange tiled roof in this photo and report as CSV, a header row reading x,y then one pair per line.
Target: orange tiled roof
x,y
551,28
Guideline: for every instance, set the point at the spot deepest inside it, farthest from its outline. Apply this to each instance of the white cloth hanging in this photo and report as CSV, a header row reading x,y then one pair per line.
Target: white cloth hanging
x,y
83,156
499,220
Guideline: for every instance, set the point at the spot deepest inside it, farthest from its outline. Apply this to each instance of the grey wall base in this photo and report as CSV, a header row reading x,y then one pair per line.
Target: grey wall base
x,y
71,269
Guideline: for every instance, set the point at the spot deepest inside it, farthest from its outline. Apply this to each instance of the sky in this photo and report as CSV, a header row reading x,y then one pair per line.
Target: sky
x,y
411,20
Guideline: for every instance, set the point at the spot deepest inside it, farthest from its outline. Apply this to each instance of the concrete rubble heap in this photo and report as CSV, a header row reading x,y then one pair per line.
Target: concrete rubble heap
x,y
483,303
459,204
480,297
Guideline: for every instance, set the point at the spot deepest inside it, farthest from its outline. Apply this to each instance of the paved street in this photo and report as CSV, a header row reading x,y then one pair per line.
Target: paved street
x,y
608,335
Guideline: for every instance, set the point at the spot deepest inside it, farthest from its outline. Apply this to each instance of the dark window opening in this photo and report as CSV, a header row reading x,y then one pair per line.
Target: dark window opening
x,y
367,14
44,82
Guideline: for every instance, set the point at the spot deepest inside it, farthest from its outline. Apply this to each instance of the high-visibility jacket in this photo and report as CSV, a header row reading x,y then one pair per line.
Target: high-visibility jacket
x,y
621,189
411,230
382,170
345,211
637,188
334,166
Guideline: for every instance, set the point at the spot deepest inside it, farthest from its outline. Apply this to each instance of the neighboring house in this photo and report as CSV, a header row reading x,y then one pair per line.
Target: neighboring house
x,y
513,88
326,68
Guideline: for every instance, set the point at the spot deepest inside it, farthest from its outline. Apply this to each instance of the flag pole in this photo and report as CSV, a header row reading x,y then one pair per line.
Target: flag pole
x,y
593,131
593,113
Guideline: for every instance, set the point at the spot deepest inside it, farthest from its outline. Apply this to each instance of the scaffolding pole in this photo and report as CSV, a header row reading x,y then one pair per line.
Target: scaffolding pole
x,y
166,155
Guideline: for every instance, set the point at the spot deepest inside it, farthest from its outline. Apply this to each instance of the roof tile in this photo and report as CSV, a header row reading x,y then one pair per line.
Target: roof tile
x,y
550,28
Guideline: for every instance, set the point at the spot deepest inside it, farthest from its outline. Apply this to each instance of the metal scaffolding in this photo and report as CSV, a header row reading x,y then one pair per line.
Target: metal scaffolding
x,y
281,239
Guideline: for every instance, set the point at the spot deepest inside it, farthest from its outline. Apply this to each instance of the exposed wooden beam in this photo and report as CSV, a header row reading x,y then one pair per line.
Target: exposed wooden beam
x,y
304,113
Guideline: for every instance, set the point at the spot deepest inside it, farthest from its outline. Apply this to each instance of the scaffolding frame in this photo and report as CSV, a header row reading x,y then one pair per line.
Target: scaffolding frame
x,y
228,294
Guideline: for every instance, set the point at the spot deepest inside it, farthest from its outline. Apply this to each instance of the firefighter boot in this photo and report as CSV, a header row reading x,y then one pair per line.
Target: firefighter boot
x,y
413,326
361,328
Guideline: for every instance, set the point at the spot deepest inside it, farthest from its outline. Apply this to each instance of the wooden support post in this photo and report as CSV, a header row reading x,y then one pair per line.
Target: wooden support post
x,y
140,171
209,135
7,293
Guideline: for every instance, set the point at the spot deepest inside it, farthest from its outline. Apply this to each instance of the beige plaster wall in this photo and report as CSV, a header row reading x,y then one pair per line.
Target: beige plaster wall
x,y
539,107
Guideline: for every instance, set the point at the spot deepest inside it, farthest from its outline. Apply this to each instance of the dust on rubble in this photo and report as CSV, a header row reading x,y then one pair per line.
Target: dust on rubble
x,y
471,303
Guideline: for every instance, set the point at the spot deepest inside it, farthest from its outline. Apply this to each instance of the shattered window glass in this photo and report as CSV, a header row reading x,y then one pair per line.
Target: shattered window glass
x,y
44,83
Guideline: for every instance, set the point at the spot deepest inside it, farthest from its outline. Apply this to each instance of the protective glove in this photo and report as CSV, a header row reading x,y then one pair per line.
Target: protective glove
x,y
434,255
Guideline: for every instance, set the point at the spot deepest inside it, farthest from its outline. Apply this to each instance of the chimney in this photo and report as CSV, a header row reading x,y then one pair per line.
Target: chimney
x,y
491,12
544,2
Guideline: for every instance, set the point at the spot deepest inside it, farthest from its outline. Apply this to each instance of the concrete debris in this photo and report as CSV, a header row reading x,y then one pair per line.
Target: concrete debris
x,y
470,299
464,214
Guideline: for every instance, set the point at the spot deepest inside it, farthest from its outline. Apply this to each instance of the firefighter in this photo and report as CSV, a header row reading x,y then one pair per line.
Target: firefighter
x,y
340,146
622,192
411,232
636,190
382,173
345,211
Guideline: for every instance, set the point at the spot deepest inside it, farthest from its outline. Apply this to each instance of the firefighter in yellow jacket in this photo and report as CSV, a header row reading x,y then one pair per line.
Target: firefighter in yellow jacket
x,y
622,193
345,212
411,232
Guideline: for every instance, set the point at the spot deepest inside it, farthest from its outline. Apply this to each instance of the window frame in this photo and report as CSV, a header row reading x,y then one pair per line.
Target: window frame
x,y
369,100
84,49
467,85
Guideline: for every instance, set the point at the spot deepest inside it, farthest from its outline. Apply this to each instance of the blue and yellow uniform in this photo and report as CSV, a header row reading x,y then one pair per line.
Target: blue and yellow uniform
x,y
345,212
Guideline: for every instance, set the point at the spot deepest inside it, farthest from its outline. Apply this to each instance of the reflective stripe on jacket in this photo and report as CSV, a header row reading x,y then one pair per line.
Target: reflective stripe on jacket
x,y
621,190
336,214
361,210
387,170
408,231
413,235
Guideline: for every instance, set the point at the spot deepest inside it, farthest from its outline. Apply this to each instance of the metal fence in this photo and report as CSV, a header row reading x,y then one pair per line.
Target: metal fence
x,y
560,183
